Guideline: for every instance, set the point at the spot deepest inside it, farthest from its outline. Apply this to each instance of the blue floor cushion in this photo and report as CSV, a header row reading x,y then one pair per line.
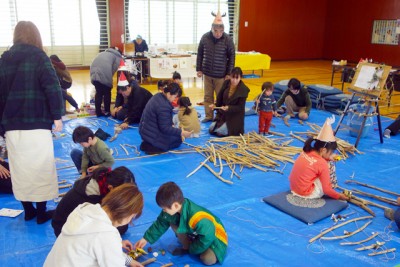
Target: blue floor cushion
x,y
306,210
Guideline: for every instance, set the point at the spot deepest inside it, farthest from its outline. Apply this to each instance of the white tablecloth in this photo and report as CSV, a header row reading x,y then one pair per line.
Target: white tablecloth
x,y
164,67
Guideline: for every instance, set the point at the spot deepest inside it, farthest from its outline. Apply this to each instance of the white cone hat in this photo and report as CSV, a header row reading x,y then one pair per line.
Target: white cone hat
x,y
326,133
218,19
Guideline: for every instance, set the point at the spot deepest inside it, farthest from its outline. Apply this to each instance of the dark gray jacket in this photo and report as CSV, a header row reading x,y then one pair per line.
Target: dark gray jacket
x,y
215,57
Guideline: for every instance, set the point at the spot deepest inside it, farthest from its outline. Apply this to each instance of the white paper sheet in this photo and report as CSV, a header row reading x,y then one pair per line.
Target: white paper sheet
x,y
10,212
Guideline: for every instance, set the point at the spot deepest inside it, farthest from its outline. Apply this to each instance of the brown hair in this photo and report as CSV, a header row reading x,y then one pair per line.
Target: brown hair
x,y
123,201
267,86
26,32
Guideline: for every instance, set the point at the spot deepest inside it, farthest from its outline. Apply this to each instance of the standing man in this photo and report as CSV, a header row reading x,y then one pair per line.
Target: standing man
x,y
215,60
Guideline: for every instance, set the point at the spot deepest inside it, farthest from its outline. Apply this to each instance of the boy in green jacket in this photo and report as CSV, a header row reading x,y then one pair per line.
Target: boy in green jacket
x,y
199,231
95,152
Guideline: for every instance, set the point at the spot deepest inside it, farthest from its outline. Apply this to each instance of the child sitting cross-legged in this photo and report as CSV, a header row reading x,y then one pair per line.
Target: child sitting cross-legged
x,y
311,176
95,152
200,232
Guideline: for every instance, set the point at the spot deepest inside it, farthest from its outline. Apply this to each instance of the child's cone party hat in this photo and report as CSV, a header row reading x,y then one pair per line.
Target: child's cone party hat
x,y
326,133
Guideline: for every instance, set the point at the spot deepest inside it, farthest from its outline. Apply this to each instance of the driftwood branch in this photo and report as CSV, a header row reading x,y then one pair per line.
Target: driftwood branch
x,y
373,187
382,252
345,236
198,167
361,241
383,199
337,226
372,246
216,175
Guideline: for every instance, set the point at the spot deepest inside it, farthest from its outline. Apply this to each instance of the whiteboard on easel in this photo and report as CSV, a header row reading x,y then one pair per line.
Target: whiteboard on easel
x,y
370,78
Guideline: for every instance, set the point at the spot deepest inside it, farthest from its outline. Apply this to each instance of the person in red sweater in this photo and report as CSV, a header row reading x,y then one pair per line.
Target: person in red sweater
x,y
310,176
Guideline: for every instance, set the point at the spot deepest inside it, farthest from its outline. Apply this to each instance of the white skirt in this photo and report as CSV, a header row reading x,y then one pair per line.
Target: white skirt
x,y
317,193
32,165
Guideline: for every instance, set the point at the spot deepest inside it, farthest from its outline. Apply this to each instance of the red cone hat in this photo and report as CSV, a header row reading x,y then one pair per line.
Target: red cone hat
x,y
122,80
122,66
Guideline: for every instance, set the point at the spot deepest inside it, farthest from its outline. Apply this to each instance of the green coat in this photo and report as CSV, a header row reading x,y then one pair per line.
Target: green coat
x,y
193,219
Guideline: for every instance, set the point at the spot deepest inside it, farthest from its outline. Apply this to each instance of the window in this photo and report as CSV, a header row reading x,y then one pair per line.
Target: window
x,y
70,29
181,22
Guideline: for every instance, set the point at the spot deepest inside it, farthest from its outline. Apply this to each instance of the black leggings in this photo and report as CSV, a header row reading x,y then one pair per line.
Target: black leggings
x,y
102,91
5,184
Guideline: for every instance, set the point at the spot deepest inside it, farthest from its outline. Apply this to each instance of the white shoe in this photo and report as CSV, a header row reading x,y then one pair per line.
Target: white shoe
x,y
386,133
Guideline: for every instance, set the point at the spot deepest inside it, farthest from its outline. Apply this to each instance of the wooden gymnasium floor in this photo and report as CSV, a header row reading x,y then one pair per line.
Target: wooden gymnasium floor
x,y
308,72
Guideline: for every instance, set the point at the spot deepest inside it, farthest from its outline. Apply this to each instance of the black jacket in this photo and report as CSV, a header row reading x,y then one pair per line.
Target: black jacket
x,y
75,196
137,101
215,57
234,116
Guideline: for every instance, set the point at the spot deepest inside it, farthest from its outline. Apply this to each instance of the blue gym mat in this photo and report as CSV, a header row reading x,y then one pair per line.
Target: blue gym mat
x,y
259,235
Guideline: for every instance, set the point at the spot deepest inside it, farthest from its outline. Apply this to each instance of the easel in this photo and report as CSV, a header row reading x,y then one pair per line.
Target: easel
x,y
368,83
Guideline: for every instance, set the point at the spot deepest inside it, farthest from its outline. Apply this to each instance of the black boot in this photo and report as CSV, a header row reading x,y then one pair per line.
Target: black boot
x,y
30,211
43,215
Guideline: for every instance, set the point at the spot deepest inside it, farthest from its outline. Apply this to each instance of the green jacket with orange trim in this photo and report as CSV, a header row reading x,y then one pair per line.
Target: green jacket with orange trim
x,y
197,221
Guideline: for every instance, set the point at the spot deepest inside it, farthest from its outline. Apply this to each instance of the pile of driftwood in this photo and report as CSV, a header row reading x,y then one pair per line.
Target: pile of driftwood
x,y
246,151
363,203
344,148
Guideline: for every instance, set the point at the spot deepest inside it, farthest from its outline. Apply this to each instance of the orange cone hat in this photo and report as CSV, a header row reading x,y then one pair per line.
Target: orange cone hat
x,y
122,80
326,133
122,66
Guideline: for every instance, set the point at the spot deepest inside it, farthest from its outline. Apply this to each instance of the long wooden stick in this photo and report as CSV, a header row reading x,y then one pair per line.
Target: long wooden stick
x,y
216,175
65,186
345,236
372,246
198,167
361,205
373,187
362,200
382,252
383,199
337,226
258,99
361,241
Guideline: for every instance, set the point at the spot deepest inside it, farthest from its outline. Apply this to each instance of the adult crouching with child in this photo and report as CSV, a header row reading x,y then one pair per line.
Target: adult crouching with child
x,y
156,126
230,106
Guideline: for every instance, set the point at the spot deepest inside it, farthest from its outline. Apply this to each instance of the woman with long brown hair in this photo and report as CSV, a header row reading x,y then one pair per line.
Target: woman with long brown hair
x,y
30,102
90,237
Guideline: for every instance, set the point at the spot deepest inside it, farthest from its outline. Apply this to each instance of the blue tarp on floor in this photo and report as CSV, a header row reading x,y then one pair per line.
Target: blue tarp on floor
x,y
259,235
